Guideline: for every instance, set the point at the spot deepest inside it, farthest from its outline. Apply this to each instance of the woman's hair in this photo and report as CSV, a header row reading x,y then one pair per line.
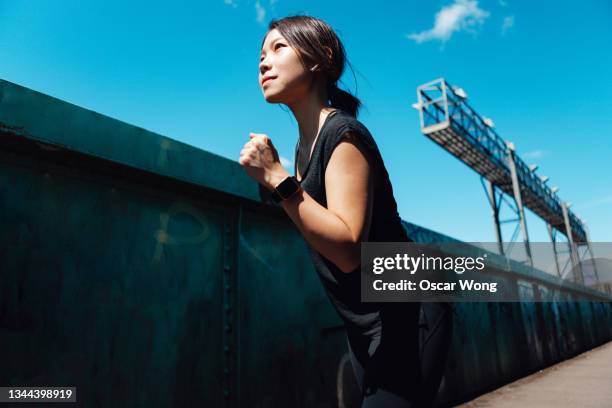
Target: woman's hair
x,y
314,39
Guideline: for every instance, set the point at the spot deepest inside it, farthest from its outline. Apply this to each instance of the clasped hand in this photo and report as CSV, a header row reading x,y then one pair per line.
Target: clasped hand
x,y
260,160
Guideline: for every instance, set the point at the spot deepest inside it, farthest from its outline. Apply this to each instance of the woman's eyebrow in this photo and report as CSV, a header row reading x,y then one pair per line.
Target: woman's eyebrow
x,y
272,43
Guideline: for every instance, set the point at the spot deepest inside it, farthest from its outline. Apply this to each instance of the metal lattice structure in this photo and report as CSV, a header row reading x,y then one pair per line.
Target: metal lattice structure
x,y
448,119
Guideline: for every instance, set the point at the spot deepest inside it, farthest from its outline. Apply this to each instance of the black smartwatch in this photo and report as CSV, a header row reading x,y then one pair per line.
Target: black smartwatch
x,y
285,189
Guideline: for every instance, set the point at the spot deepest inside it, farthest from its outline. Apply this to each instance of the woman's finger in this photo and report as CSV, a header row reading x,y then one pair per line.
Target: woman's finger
x,y
265,137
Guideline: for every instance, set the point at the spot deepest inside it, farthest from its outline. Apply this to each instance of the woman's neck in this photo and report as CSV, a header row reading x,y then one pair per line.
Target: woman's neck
x,y
311,122
310,113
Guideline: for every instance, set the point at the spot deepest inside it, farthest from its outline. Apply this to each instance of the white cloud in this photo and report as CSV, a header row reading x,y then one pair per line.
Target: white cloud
x,y
231,3
285,162
507,24
534,154
261,12
461,15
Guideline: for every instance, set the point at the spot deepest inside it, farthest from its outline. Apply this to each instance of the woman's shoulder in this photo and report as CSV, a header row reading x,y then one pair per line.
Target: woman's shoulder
x,y
346,127
344,121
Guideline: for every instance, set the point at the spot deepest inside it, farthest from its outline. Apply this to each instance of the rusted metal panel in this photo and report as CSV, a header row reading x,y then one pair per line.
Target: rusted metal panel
x,y
284,319
111,288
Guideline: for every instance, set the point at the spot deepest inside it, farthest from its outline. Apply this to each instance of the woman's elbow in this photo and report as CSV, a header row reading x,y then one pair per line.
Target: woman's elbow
x,y
352,260
350,268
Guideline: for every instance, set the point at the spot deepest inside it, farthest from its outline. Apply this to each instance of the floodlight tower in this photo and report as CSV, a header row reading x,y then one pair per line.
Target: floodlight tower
x,y
448,119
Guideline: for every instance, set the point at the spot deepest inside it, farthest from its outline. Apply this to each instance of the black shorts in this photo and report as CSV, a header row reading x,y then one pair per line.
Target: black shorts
x,y
403,364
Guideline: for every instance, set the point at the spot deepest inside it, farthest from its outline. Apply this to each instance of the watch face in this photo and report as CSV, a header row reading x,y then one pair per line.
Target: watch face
x,y
289,186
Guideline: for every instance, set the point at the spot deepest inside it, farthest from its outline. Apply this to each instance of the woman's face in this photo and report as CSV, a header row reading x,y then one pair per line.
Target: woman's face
x,y
282,76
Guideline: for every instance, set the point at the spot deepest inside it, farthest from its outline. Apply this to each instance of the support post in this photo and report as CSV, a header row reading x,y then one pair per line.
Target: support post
x,y
554,245
573,252
519,201
588,240
495,211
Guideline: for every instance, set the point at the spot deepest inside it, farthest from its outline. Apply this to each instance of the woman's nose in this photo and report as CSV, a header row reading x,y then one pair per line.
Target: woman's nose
x,y
264,65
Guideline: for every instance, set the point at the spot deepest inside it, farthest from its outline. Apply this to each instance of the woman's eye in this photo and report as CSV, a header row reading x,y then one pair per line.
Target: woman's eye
x,y
277,44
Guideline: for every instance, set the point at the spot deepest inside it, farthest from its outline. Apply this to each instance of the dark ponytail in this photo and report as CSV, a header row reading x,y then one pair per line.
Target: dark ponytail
x,y
341,99
318,45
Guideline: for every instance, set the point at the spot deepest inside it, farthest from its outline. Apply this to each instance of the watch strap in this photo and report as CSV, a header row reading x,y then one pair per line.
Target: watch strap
x,y
285,189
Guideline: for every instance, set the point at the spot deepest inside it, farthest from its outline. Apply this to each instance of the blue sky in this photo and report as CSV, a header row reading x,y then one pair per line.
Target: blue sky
x,y
188,70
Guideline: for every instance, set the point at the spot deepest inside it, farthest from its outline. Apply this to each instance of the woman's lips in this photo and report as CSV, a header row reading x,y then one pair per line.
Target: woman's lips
x,y
265,81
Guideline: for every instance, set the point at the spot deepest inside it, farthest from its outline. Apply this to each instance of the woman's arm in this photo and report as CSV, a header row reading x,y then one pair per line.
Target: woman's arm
x,y
336,232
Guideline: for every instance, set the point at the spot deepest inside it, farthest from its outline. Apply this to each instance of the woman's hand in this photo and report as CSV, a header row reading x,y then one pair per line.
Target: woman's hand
x,y
260,160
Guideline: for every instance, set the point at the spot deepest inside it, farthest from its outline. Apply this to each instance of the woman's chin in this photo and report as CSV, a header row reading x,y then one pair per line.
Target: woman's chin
x,y
272,98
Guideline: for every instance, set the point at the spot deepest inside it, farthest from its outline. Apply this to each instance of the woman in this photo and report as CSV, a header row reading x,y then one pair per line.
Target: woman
x,y
340,196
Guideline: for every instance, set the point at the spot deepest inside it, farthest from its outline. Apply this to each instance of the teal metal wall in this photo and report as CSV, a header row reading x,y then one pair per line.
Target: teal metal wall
x,y
146,272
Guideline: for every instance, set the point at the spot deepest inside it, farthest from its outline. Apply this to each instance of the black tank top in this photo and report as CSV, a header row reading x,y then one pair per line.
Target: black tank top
x,y
342,288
